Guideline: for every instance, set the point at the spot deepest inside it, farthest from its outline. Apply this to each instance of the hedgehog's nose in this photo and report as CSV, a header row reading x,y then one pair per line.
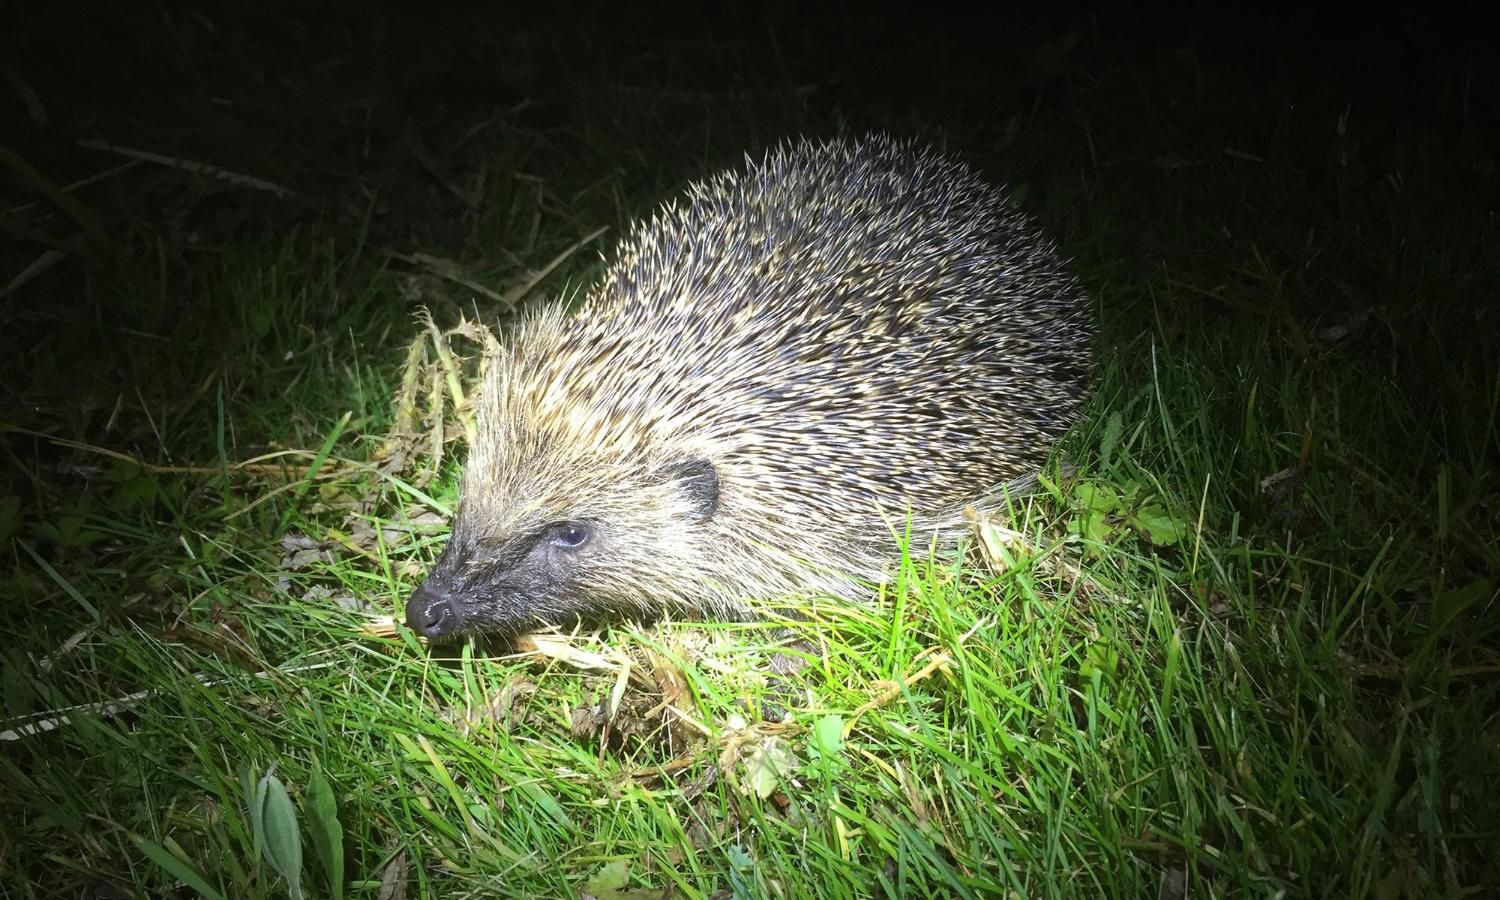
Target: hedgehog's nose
x,y
430,613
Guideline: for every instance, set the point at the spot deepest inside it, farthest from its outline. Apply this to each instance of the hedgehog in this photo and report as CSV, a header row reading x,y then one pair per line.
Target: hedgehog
x,y
782,375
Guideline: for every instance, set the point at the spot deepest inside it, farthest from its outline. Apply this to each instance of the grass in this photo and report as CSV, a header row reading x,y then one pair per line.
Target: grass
x,y
1182,679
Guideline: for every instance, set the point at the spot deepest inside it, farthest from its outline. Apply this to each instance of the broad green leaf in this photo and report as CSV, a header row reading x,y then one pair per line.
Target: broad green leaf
x,y
828,735
1097,497
611,878
283,839
1160,526
327,834
764,767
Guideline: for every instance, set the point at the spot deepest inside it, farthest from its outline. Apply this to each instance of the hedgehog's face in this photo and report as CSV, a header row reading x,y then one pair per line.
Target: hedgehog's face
x,y
537,554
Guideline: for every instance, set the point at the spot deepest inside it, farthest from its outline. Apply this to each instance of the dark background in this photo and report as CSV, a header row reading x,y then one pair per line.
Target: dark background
x,y
314,97
1338,136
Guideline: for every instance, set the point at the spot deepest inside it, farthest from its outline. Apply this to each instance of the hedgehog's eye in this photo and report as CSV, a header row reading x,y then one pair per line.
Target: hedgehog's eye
x,y
571,535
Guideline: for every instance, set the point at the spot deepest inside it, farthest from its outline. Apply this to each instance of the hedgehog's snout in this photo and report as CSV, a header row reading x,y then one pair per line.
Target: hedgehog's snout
x,y
431,612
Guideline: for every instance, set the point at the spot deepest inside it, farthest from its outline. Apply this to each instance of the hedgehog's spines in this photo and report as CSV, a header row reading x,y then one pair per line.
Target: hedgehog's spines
x,y
846,333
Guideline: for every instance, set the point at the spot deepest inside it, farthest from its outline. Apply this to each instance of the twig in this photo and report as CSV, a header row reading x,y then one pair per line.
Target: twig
x,y
448,270
42,263
195,168
940,659
254,466
51,720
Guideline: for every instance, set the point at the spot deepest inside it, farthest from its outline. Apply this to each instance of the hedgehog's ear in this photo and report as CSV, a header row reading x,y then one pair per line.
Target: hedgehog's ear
x,y
698,481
